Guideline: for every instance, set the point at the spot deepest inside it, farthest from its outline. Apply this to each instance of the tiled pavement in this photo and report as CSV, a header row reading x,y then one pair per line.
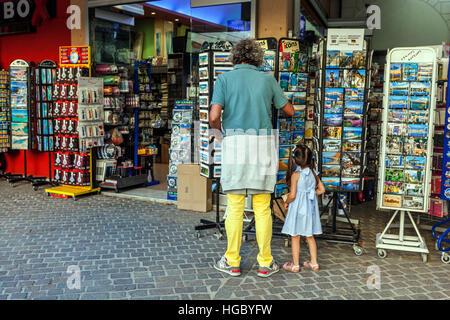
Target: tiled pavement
x,y
138,250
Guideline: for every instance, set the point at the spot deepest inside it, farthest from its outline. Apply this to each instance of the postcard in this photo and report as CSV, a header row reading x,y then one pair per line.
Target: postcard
x,y
347,76
19,115
284,124
412,189
203,87
204,115
418,117
399,88
332,133
331,171
424,71
19,102
394,161
18,74
397,129
396,73
289,96
413,162
331,119
284,151
285,61
219,70
331,145
351,133
298,136
419,103
353,120
394,175
351,159
332,78
222,58
359,59
353,107
203,58
293,64
350,184
284,80
331,158
336,94
333,58
19,128
410,71
19,142
359,79
393,187
394,144
331,184
204,102
346,59
398,102
299,98
413,176
285,137
417,130
293,81
204,129
413,202
397,115
333,106
203,73
351,171
354,94
298,124
302,62
269,60
392,201
420,88
299,113
309,125
351,145
415,146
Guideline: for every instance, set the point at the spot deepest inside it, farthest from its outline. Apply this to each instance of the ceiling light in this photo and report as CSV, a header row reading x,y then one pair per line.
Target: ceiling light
x,y
177,19
153,12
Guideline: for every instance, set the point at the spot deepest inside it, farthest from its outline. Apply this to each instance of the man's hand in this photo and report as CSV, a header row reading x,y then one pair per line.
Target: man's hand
x,y
286,206
288,109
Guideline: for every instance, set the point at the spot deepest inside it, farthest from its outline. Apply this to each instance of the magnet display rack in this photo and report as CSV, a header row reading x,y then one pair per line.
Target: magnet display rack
x,y
45,79
71,191
407,144
341,103
213,60
23,118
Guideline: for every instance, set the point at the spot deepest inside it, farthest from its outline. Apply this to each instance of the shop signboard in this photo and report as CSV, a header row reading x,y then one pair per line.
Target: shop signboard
x,y
345,39
22,16
74,56
407,141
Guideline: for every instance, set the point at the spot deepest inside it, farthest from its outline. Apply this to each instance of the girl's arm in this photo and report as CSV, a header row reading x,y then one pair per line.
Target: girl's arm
x,y
293,192
320,187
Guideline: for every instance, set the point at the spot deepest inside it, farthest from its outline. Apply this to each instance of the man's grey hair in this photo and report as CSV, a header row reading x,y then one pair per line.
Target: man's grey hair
x,y
247,51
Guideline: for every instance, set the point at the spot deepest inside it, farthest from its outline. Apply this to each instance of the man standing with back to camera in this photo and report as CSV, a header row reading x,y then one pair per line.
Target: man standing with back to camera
x,y
250,155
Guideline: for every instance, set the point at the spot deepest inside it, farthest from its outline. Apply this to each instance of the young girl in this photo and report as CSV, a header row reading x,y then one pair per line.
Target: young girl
x,y
303,217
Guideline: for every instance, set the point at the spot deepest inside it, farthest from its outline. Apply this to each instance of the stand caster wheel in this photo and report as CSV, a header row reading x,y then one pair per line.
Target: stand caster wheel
x,y
35,188
424,258
286,243
198,235
48,194
244,238
74,198
382,253
445,258
11,185
358,250
218,236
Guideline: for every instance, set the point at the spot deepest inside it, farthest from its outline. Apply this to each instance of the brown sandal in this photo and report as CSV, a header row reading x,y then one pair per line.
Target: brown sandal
x,y
289,266
309,265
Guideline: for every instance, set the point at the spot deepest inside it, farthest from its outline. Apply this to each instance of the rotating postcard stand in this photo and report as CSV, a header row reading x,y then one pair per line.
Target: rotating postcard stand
x,y
21,99
343,77
407,145
45,79
74,58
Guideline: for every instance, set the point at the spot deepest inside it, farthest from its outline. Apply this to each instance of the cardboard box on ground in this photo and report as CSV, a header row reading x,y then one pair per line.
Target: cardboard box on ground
x,y
194,191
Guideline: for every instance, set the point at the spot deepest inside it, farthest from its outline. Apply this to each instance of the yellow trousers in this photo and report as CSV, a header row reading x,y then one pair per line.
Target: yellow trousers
x,y
234,224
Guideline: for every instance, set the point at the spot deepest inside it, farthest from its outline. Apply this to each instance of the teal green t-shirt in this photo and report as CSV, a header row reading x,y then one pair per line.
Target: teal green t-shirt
x,y
247,95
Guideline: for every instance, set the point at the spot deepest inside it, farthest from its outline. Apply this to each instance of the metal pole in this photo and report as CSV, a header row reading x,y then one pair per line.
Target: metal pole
x,y
402,226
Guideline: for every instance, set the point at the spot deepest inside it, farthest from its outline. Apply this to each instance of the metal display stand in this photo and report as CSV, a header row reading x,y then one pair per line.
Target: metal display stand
x,y
400,242
218,224
441,239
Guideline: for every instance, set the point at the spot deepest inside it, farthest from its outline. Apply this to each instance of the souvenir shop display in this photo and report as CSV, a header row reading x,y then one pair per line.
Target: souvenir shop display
x,y
407,143
77,124
293,78
181,143
5,112
343,82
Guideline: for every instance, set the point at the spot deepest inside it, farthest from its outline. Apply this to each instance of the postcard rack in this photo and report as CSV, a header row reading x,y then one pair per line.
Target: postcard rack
x,y
343,80
407,145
